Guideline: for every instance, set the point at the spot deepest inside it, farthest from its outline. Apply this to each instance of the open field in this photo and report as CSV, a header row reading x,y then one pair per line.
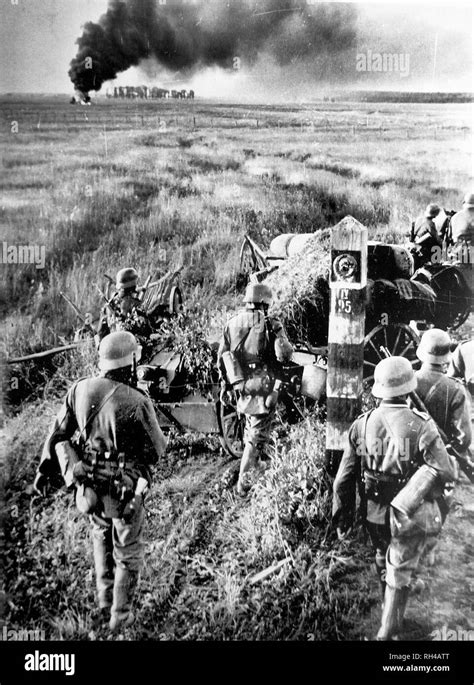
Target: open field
x,y
153,185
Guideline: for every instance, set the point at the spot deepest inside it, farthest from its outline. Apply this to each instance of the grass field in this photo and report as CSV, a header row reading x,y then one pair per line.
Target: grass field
x,y
154,185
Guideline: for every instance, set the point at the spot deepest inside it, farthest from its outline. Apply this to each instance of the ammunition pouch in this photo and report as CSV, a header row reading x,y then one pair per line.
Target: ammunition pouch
x,y
112,473
381,488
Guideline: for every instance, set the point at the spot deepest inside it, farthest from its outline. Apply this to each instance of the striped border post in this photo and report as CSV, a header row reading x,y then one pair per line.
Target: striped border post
x,y
348,282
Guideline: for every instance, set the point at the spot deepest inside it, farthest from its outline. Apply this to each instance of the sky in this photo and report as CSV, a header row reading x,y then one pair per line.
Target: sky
x,y
433,44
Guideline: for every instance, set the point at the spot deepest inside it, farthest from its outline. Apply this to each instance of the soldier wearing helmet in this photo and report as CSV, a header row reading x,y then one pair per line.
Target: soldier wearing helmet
x,y
252,346
462,367
385,448
425,234
447,403
124,311
445,399
104,440
462,223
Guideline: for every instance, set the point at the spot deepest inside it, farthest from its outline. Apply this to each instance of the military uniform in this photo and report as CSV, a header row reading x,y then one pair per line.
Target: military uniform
x,y
125,313
462,367
119,439
257,344
251,336
447,404
385,447
462,364
426,236
462,226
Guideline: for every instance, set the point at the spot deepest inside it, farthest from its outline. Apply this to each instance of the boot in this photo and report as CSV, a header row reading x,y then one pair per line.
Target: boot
x,y
124,589
405,591
248,462
104,566
390,613
381,570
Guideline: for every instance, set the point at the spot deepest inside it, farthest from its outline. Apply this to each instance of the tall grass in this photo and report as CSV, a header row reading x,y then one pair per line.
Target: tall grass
x,y
116,193
109,188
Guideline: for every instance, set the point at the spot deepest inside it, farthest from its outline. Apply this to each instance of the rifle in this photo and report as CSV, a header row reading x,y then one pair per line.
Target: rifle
x,y
74,306
134,377
143,289
464,462
107,301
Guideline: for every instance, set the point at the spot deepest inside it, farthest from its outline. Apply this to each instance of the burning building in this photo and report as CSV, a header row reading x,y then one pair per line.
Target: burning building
x,y
184,37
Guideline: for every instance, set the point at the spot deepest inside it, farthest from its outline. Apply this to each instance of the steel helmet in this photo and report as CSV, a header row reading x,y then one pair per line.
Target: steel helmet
x,y
126,278
435,347
393,377
117,349
432,210
258,293
468,200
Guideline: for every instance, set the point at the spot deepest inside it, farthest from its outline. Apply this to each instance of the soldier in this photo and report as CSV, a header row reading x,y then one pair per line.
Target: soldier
x,y
252,346
425,232
462,367
444,398
447,403
462,223
385,447
124,311
104,439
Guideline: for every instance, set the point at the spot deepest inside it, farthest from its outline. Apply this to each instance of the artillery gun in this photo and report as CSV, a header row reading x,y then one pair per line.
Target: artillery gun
x,y
401,300
432,294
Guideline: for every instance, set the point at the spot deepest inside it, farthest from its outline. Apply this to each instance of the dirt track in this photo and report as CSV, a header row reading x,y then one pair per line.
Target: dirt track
x,y
445,607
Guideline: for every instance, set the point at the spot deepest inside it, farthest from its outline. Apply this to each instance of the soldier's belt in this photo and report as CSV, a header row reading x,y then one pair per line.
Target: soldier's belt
x,y
380,477
113,459
382,487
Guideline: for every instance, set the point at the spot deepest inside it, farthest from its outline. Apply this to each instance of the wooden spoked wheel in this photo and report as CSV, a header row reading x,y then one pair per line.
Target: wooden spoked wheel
x,y
231,425
399,339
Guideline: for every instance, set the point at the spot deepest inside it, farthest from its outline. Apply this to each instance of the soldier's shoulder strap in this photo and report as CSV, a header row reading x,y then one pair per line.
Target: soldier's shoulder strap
x,y
142,392
422,414
76,383
362,421
365,414
96,409
431,392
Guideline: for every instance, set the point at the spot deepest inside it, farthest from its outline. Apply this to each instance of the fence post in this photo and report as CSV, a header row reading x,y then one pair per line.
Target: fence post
x,y
348,282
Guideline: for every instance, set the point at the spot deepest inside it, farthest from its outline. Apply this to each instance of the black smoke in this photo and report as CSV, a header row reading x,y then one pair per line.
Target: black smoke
x,y
184,35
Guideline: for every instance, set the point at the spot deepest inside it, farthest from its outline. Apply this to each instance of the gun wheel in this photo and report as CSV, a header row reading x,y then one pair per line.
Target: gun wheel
x,y
231,425
400,340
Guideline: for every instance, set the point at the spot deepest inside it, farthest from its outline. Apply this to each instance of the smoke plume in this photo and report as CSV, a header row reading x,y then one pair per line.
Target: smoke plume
x,y
185,35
